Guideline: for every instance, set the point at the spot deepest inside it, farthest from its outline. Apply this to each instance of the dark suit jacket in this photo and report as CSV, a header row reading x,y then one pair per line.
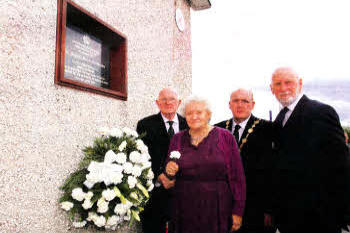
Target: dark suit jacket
x,y
309,163
256,157
157,141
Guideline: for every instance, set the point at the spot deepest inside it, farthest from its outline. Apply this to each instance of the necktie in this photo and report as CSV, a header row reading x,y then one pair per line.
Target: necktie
x,y
171,131
236,133
280,117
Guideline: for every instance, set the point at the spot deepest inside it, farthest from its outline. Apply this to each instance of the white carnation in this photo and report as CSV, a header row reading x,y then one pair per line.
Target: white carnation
x,y
120,209
67,205
102,205
150,174
89,184
94,177
132,181
136,171
79,224
141,146
100,221
89,195
122,146
127,167
144,158
130,132
94,166
117,177
115,132
121,158
108,194
112,221
135,157
78,194
175,155
87,204
91,216
146,165
110,157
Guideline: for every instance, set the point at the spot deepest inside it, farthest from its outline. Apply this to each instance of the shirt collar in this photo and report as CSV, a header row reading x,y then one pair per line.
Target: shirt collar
x,y
242,124
175,119
294,104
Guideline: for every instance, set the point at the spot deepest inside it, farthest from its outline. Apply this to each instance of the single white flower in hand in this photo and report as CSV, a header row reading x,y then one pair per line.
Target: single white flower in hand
x,y
175,155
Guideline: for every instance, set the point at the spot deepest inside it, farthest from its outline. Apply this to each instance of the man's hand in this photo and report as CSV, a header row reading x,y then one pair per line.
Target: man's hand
x,y
171,168
236,222
167,184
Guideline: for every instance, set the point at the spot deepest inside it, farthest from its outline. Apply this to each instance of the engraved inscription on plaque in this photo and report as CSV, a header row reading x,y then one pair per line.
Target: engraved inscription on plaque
x,y
86,58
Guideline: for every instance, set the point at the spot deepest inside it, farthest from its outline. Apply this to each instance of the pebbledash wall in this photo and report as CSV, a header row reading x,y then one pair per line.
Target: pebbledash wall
x,y
44,126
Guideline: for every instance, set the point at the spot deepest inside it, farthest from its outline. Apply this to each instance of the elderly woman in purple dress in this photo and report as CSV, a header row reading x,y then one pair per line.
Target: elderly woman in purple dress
x,y
209,192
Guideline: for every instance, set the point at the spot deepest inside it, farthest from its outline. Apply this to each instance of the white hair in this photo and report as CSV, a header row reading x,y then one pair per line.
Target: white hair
x,y
196,99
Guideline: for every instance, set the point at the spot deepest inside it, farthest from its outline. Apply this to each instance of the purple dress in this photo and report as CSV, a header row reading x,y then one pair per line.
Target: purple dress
x,y
210,184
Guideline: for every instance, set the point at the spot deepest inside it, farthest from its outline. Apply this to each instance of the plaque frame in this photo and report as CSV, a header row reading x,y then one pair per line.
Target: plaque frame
x,y
116,41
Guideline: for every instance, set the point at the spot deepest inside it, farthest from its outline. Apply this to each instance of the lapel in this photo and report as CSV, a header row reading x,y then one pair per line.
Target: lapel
x,y
228,125
297,112
247,127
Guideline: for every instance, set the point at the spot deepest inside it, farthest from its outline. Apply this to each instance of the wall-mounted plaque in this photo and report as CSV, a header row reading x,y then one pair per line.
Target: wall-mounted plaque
x,y
90,55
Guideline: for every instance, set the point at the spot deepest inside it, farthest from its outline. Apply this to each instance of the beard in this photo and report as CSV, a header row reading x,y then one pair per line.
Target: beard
x,y
286,101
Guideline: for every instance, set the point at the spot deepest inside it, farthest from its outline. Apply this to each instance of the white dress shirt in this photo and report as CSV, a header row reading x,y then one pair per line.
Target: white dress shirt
x,y
242,124
175,124
291,108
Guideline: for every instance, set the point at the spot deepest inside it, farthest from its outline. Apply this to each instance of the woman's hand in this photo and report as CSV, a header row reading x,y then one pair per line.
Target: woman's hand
x,y
236,222
167,184
171,168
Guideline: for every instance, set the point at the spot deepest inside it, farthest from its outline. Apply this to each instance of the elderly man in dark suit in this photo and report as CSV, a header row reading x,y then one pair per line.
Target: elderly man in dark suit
x,y
159,129
309,160
253,136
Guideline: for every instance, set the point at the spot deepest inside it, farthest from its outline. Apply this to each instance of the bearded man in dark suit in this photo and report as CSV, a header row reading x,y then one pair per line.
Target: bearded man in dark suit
x,y
309,163
159,129
253,137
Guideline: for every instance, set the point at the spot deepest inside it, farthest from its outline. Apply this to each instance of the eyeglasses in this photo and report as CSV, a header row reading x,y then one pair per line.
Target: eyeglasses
x,y
237,101
170,100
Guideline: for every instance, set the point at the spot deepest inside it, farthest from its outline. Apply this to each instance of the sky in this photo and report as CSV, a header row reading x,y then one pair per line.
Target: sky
x,y
239,43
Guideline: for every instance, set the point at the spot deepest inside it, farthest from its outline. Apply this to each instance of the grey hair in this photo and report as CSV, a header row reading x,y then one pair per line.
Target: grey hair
x,y
196,99
248,90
